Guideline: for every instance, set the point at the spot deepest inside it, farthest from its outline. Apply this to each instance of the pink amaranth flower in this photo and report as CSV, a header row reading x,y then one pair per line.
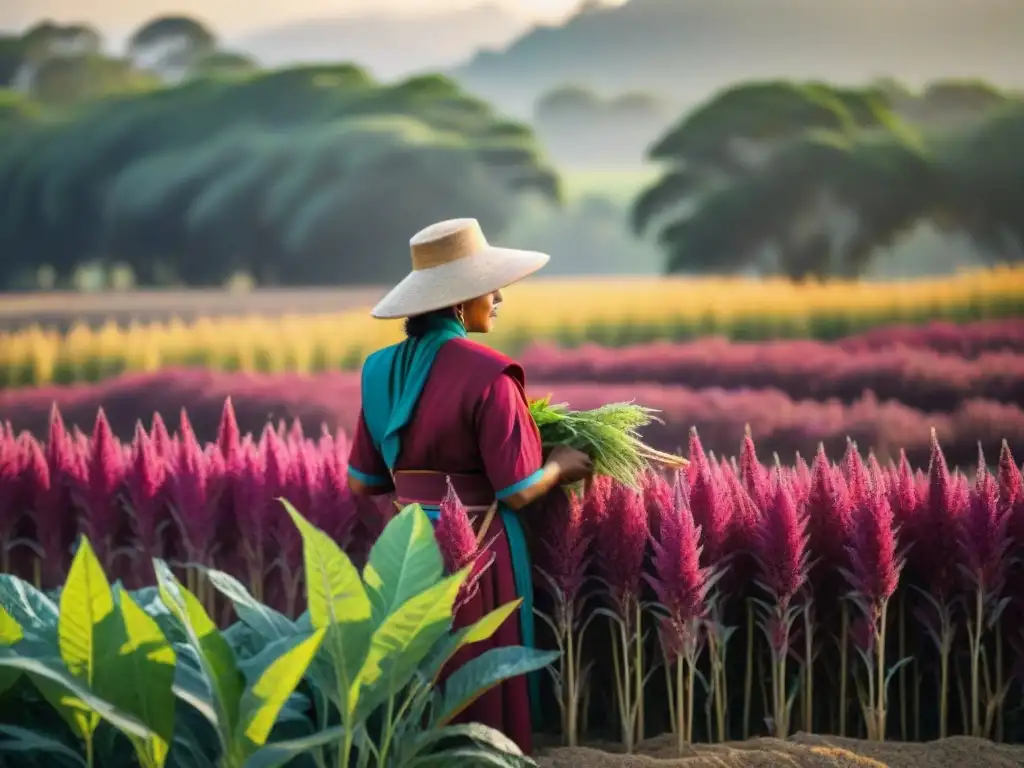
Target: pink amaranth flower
x,y
564,552
755,478
984,540
105,474
334,510
709,503
228,436
190,491
595,505
829,520
875,565
657,497
938,546
781,547
622,544
903,496
856,474
458,544
678,579
165,446
145,485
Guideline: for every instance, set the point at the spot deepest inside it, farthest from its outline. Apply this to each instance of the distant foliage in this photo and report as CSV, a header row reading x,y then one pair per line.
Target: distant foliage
x,y
310,176
804,370
809,179
613,312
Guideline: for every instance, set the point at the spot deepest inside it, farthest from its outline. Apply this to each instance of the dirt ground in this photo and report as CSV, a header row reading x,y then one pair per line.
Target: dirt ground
x,y
803,750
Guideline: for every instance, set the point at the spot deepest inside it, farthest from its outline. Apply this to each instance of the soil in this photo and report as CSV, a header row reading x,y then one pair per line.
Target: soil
x,y
802,751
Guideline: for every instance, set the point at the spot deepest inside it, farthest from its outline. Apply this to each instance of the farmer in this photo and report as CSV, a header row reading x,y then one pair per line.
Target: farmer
x,y
438,406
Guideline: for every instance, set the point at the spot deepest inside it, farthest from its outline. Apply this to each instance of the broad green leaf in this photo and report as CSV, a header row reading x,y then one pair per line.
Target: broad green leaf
x,y
135,671
477,632
269,623
346,647
477,676
282,752
263,701
482,735
404,560
191,687
24,740
10,633
405,638
478,757
32,609
85,602
76,694
224,679
334,591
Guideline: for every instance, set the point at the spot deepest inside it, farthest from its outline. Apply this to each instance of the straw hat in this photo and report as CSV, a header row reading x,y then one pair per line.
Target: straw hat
x,y
452,262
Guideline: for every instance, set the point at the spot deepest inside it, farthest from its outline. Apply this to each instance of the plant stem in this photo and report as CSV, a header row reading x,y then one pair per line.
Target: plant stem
x,y
570,678
999,682
943,687
975,638
681,718
639,674
880,707
671,694
628,707
844,661
89,756
691,675
808,668
902,640
385,741
748,677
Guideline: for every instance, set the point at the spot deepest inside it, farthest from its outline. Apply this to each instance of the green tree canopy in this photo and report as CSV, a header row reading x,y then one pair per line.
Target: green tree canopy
x,y
305,175
806,179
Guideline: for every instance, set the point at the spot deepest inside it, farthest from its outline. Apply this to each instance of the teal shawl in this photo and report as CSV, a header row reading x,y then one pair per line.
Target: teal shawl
x,y
392,382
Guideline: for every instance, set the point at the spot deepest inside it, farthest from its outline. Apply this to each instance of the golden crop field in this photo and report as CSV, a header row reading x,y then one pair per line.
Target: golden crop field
x,y
612,311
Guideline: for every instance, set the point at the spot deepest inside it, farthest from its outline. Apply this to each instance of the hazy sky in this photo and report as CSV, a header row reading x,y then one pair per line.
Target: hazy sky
x,y
232,17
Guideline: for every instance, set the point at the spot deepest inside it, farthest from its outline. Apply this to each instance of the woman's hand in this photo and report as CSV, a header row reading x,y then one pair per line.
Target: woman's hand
x,y
573,465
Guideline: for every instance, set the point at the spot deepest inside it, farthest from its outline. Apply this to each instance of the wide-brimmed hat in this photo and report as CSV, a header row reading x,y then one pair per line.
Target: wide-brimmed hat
x,y
452,262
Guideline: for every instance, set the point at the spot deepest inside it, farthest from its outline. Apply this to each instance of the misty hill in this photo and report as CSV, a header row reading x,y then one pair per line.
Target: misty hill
x,y
686,49
388,45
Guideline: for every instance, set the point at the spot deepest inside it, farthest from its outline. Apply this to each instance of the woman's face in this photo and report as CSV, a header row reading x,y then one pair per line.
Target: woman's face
x,y
479,314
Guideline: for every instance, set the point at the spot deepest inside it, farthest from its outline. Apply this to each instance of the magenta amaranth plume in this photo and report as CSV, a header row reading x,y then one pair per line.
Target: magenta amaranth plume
x,y
755,478
710,507
105,475
781,547
856,474
829,517
874,563
903,495
454,531
937,547
678,580
228,436
622,543
657,494
985,538
564,555
146,501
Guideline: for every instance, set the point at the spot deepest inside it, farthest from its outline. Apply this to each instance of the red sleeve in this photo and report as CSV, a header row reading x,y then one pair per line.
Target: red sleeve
x,y
365,463
508,437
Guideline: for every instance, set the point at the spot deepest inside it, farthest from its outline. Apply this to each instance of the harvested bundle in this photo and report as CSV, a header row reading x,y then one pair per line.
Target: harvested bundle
x,y
609,435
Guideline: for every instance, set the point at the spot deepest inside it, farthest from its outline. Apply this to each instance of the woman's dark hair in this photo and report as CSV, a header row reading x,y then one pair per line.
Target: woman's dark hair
x,y
417,325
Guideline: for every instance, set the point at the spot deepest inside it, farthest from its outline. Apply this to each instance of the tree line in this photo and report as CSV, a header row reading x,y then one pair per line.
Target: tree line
x,y
308,175
811,180
187,164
